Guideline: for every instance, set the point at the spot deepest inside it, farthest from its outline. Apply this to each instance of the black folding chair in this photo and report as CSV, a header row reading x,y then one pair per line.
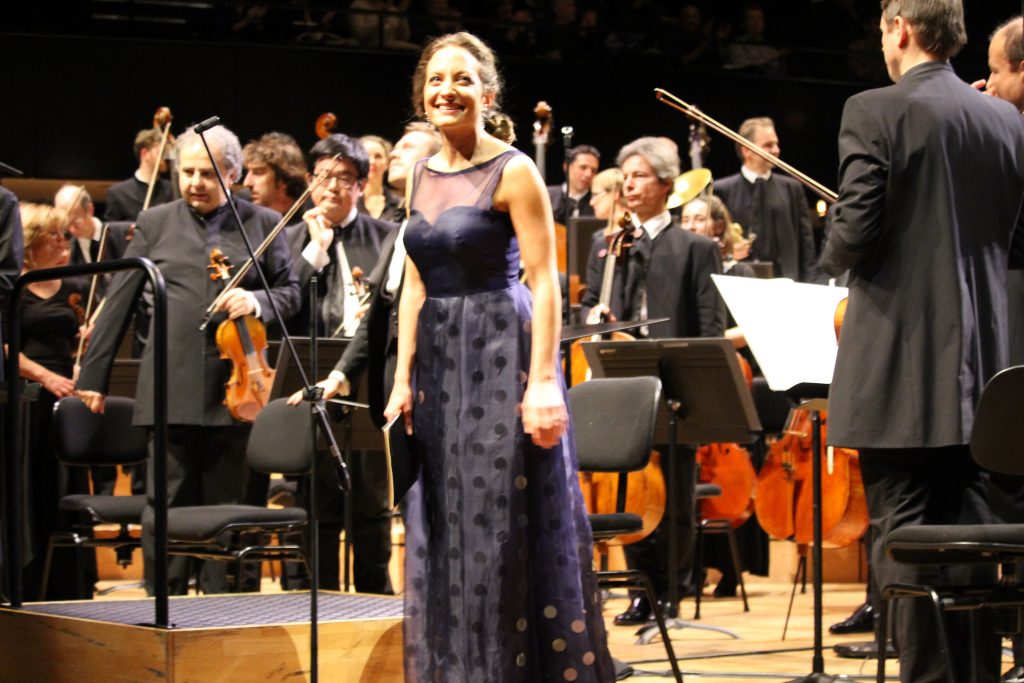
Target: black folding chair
x,y
87,439
281,441
614,421
997,444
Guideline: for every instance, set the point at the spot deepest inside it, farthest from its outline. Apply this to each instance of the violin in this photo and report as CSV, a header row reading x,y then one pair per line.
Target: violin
x,y
243,341
619,238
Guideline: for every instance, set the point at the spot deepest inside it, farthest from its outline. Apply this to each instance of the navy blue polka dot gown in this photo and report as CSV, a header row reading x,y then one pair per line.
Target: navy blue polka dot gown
x,y
499,580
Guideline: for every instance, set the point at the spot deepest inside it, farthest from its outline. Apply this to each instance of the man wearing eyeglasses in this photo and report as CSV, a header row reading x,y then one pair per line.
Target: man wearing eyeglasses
x,y
335,241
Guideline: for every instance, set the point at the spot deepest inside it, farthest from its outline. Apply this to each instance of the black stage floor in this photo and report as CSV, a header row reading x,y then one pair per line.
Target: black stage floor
x,y
218,611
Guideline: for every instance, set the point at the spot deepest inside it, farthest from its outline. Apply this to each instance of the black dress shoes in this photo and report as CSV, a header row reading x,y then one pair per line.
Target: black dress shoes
x,y
669,610
639,612
861,621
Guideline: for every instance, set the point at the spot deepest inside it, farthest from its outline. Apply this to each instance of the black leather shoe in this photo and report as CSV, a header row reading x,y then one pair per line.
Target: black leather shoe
x,y
861,621
638,613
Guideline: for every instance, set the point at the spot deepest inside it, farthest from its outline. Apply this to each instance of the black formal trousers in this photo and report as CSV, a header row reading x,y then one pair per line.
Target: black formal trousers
x,y
205,466
913,486
651,554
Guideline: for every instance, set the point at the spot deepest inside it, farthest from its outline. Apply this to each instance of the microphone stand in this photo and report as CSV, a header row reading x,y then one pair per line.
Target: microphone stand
x,y
566,216
311,393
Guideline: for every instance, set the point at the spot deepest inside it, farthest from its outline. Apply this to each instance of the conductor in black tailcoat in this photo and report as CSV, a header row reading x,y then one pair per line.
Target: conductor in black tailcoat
x,y
334,239
205,445
771,205
126,198
666,274
931,180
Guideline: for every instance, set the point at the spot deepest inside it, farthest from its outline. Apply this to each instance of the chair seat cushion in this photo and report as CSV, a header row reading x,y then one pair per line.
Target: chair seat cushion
x,y
202,524
708,490
957,544
615,524
107,509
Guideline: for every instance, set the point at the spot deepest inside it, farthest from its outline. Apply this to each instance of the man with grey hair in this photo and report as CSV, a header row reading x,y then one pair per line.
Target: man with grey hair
x,y
931,180
86,230
667,274
205,444
125,199
772,206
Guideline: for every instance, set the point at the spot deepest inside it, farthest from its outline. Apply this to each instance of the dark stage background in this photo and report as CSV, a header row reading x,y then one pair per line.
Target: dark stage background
x,y
74,103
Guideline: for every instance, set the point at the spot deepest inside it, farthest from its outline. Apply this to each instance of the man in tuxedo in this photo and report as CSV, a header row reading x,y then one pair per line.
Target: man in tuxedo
x,y
275,171
931,180
667,273
205,445
771,205
373,351
572,197
126,198
335,239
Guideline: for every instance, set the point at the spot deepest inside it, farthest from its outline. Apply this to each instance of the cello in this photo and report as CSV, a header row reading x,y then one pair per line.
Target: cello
x,y
243,341
784,493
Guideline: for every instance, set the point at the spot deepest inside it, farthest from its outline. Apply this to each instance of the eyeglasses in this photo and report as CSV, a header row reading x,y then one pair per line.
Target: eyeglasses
x,y
343,181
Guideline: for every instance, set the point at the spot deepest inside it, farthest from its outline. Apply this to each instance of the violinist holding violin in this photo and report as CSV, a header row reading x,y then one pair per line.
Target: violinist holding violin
x,y
927,161
206,445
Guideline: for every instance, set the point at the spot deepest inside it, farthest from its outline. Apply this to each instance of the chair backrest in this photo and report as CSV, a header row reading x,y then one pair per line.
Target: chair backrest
x,y
85,438
282,439
614,421
997,438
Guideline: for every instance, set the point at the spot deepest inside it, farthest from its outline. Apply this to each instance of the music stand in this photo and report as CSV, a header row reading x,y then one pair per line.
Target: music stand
x,y
706,401
353,428
805,374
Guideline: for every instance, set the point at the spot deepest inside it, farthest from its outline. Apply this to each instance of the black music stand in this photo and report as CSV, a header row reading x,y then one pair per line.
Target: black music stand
x,y
352,427
706,401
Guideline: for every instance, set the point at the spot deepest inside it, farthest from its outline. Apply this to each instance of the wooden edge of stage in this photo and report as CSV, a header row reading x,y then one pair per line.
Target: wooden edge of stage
x,y
56,648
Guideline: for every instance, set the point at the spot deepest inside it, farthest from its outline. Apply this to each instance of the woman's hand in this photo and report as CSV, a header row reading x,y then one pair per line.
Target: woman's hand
x,y
400,404
544,415
57,385
600,313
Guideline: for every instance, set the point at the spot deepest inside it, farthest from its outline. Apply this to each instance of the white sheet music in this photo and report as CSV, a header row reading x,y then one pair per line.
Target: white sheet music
x,y
789,326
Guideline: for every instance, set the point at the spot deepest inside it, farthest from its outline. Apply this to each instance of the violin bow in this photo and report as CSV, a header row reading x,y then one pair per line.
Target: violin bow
x,y
696,114
285,220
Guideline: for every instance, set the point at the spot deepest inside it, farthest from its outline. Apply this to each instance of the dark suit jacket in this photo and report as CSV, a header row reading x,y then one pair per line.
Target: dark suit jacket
x,y
559,200
676,272
117,242
12,252
374,347
177,242
931,179
782,223
125,199
363,239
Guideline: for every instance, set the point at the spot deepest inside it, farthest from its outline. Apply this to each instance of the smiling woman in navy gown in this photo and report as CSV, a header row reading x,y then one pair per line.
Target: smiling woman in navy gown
x,y
500,585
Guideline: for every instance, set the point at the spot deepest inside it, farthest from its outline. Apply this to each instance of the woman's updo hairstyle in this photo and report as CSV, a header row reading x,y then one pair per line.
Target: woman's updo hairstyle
x,y
496,122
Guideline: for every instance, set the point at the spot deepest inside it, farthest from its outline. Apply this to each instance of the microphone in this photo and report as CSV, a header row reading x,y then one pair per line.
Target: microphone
x,y
207,125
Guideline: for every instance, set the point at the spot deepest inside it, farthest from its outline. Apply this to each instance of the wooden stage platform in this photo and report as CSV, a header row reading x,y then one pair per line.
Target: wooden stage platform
x,y
232,638
264,637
